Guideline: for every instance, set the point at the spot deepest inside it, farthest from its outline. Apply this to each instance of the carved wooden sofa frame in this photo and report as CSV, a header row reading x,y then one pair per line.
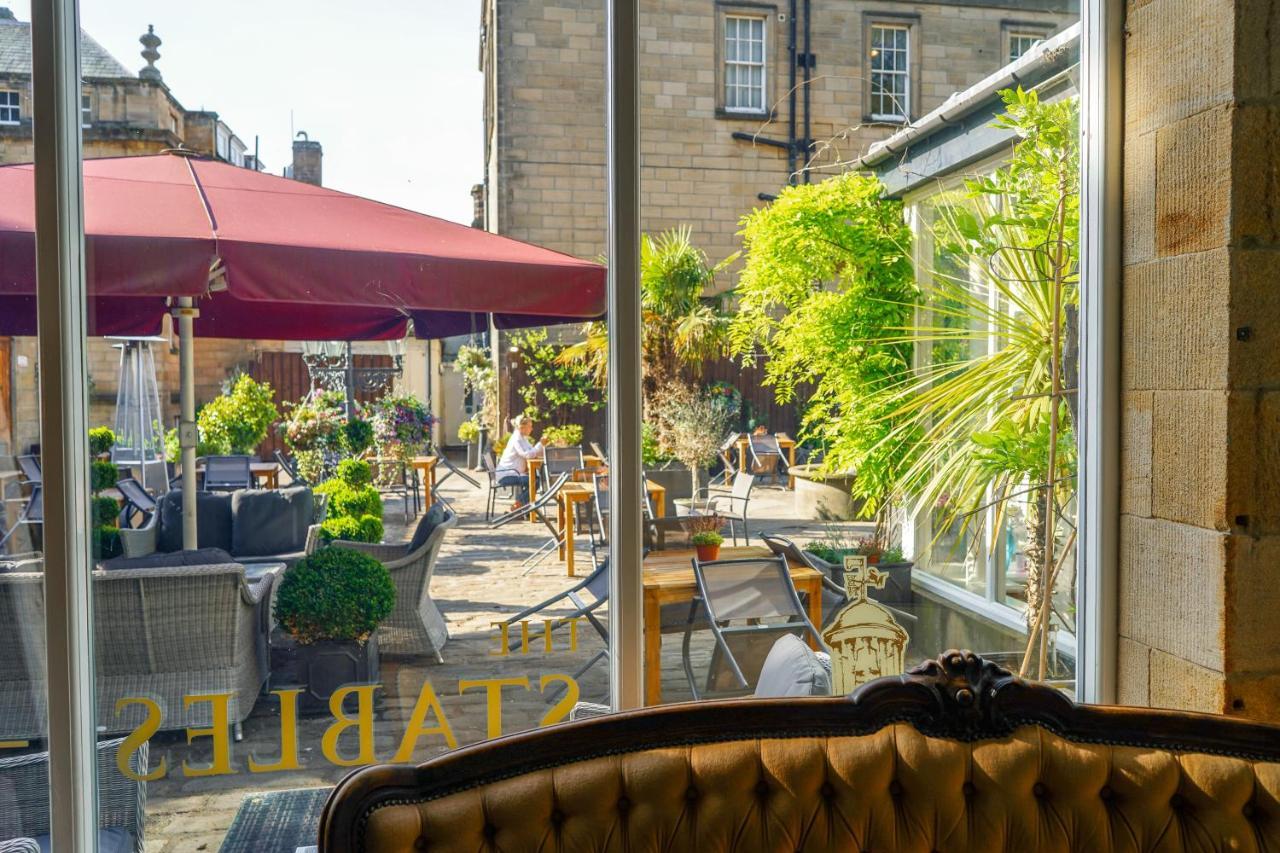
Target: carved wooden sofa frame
x,y
973,757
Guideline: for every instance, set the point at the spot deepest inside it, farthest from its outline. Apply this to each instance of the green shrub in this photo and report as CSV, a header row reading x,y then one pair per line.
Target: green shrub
x,y
371,529
357,434
468,431
238,421
334,594
355,472
101,440
569,435
346,502
367,528
106,542
103,475
707,537
105,511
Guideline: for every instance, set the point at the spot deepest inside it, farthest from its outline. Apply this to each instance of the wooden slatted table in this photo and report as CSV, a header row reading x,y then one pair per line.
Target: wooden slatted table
x,y
668,579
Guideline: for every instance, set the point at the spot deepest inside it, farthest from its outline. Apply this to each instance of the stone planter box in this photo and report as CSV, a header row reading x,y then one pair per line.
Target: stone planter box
x,y
897,590
675,479
824,497
321,668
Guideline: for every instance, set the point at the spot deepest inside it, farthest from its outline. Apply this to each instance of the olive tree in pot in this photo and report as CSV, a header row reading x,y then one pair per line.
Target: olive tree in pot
x,y
690,424
328,607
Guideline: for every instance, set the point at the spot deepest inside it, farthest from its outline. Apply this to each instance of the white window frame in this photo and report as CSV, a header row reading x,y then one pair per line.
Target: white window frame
x,y
86,110
15,106
1018,36
763,64
904,74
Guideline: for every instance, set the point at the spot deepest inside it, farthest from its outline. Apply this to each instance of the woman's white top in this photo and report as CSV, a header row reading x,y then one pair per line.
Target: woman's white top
x,y
516,455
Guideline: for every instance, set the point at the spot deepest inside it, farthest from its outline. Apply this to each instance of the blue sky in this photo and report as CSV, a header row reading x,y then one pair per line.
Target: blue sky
x,y
390,88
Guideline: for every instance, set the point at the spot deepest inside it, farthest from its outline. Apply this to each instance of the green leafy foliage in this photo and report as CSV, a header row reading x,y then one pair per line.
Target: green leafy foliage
x,y
357,436
469,431
101,440
479,379
238,420
651,452
355,472
706,537
554,387
334,594
103,475
366,528
826,288
689,425
105,543
173,449
105,511
350,501
569,435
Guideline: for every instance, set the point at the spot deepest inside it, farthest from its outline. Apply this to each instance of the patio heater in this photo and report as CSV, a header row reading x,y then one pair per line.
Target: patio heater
x,y
139,421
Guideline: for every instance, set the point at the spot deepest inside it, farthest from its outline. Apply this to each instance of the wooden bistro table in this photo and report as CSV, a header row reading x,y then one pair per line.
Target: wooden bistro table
x,y
668,579
786,444
535,466
266,473
572,494
426,466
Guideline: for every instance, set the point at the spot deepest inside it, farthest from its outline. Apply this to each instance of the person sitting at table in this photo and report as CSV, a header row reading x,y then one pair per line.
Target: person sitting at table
x,y
513,467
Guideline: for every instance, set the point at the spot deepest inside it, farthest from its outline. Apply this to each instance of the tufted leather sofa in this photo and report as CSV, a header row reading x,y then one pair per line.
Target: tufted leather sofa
x,y
958,755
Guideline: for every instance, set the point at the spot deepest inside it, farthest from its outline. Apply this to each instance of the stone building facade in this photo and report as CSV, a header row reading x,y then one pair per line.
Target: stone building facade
x,y
124,114
543,62
1200,522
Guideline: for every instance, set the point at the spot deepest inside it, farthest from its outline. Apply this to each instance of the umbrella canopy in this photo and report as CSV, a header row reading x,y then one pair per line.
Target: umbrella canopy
x,y
298,262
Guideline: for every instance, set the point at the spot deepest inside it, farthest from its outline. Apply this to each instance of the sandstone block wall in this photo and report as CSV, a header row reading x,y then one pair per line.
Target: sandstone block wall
x,y
1200,556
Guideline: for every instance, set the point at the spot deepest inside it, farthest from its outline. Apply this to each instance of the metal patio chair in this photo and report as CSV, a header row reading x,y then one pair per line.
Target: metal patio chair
x,y
535,509
726,452
559,460
29,465
731,507
599,452
31,515
137,502
749,604
766,457
227,474
489,463
287,466
655,529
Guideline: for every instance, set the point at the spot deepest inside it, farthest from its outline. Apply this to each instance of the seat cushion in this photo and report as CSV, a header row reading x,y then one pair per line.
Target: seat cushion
x,y
432,519
793,669
265,522
213,521
158,560
113,840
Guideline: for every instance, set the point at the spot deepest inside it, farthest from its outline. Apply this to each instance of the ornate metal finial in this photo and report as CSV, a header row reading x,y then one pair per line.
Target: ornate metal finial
x,y
150,41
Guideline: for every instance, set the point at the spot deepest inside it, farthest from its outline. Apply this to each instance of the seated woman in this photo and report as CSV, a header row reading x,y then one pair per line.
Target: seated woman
x,y
513,467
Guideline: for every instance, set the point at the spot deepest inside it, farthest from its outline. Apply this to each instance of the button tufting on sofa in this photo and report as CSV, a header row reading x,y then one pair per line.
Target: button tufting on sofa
x,y
1039,791
968,789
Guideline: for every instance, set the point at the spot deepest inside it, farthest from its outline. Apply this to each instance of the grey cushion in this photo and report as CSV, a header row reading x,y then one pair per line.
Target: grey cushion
x,y
793,669
265,522
213,521
159,560
433,518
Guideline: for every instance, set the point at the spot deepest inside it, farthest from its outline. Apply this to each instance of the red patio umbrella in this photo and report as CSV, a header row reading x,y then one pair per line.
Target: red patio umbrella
x,y
266,257
298,262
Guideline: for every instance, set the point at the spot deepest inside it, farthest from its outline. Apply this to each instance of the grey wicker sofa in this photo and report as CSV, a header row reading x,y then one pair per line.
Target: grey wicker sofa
x,y
161,633
24,801
416,626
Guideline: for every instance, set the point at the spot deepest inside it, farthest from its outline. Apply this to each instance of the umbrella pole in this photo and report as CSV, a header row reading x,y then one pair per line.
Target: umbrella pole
x,y
187,437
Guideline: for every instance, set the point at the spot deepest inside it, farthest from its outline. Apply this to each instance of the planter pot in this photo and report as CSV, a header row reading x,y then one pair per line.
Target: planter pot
x,y
675,479
321,668
825,497
706,553
897,590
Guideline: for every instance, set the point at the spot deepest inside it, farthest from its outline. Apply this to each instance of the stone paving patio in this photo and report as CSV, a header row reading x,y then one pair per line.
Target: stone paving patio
x,y
478,580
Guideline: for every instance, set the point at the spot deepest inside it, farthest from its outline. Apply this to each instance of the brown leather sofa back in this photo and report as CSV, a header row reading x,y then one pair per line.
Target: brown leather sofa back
x,y
958,756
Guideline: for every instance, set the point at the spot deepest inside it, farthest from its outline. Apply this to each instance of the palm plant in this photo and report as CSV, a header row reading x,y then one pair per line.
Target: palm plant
x,y
683,325
989,418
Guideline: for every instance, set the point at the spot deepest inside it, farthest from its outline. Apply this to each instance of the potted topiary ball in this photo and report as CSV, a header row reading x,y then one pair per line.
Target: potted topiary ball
x,y
328,606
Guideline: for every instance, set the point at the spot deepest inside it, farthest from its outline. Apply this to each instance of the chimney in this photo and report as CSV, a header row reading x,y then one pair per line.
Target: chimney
x,y
150,41
477,205
307,155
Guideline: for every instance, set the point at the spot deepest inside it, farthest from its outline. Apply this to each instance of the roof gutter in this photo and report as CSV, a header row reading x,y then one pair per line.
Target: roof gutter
x,y
1047,53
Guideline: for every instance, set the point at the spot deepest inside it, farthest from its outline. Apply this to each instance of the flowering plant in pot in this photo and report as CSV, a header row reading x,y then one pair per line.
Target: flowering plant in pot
x,y
328,607
707,543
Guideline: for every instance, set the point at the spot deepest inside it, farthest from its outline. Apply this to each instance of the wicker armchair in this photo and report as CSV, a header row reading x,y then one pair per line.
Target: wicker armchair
x,y
416,626
24,796
162,633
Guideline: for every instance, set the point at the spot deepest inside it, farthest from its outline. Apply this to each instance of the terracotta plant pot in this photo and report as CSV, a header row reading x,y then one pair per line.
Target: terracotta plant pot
x,y
706,553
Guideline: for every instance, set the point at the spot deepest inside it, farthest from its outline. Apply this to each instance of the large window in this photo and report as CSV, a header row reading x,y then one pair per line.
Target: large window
x,y
10,112
890,63
744,64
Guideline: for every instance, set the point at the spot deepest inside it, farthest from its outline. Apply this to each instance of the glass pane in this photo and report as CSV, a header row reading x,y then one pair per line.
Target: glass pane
x,y
382,551
24,717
